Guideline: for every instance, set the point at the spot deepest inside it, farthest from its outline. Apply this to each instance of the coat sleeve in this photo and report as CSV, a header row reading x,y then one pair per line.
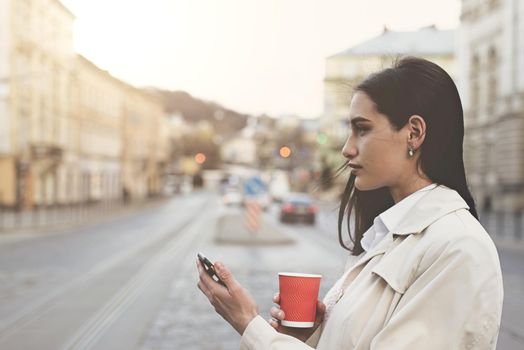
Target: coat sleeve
x,y
454,303
259,335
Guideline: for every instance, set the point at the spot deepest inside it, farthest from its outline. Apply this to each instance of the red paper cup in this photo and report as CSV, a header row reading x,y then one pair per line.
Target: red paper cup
x,y
298,298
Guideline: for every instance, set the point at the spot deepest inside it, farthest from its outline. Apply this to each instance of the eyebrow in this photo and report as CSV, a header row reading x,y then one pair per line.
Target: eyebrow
x,y
358,119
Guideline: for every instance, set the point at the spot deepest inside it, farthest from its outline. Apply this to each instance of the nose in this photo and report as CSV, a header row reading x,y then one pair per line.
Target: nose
x,y
349,150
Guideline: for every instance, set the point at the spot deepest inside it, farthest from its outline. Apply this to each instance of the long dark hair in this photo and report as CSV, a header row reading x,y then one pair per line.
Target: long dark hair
x,y
413,86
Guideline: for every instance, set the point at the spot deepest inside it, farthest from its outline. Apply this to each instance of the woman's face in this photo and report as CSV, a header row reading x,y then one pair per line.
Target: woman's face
x,y
380,150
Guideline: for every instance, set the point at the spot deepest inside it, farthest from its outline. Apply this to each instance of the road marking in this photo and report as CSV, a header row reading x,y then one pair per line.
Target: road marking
x,y
10,325
95,327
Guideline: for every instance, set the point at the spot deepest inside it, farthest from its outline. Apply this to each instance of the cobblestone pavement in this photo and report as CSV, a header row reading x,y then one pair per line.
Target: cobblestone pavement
x,y
187,321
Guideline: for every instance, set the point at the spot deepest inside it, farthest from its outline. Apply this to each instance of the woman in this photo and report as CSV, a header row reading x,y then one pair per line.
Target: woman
x,y
423,273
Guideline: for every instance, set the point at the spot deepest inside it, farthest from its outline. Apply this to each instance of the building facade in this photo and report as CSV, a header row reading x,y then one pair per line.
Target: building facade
x,y
240,150
346,69
491,52
99,114
145,138
35,64
69,131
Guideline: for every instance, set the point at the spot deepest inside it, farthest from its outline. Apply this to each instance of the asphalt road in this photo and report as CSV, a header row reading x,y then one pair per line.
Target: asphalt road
x,y
99,286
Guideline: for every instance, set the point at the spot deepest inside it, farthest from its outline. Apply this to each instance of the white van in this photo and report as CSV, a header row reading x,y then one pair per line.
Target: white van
x,y
279,186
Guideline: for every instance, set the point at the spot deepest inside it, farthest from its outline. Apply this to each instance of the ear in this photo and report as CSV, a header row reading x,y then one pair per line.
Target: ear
x,y
416,129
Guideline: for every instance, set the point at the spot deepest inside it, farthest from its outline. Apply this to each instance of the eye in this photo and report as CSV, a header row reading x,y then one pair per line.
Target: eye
x,y
360,130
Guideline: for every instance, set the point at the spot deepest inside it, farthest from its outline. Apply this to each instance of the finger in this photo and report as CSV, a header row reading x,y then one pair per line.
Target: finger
x,y
321,312
273,323
226,276
275,312
276,298
205,279
204,290
321,307
198,265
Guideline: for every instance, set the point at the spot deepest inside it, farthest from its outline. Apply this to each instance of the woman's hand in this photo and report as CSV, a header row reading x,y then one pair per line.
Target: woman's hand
x,y
300,333
233,302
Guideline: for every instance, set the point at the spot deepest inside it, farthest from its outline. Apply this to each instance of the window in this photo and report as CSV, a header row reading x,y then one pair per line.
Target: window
x,y
492,79
492,4
474,84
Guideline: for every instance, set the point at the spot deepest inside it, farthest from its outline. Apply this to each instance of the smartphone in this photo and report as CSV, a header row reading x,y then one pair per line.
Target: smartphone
x,y
210,268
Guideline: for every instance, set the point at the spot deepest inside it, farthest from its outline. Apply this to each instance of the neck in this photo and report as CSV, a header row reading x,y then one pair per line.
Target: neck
x,y
399,192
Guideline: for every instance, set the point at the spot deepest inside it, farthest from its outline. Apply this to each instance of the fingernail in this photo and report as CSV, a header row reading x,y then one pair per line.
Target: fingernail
x,y
280,314
218,266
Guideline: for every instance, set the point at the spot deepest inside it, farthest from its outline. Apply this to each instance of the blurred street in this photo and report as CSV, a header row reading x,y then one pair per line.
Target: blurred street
x,y
130,282
135,134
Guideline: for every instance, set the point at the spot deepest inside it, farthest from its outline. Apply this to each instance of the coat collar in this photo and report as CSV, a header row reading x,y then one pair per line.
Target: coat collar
x,y
435,204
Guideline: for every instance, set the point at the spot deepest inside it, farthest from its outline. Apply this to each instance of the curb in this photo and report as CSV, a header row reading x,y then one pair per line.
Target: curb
x,y
94,219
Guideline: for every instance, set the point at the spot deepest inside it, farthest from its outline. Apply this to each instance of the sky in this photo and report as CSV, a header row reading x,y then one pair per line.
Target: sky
x,y
252,56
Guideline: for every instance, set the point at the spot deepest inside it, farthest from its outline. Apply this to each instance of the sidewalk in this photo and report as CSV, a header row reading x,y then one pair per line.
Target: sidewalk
x,y
511,245
55,220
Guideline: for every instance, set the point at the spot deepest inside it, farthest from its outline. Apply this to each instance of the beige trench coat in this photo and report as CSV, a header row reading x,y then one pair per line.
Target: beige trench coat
x,y
433,283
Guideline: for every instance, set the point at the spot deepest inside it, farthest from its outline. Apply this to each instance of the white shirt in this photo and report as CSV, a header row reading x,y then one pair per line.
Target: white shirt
x,y
388,220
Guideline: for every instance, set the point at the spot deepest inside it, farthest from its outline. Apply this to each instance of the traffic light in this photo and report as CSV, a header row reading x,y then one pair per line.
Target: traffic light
x,y
322,138
285,152
200,158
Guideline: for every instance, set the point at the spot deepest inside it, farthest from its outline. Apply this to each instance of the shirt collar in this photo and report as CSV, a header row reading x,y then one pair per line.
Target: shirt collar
x,y
392,217
389,219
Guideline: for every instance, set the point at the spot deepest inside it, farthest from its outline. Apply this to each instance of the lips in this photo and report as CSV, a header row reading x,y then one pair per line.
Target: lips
x,y
354,168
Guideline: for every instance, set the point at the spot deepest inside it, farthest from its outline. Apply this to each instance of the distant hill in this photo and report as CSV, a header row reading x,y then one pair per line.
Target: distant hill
x,y
225,121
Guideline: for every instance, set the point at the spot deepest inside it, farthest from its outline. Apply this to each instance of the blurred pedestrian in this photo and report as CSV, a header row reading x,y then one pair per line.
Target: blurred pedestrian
x,y
198,180
422,273
125,195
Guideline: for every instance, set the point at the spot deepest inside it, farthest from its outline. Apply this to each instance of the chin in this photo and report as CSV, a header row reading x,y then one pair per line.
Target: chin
x,y
363,185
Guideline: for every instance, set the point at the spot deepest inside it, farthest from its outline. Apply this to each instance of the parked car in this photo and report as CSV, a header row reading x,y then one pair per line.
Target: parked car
x,y
298,206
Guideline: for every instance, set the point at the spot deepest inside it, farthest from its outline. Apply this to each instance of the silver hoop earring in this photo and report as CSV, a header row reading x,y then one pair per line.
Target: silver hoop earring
x,y
411,152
